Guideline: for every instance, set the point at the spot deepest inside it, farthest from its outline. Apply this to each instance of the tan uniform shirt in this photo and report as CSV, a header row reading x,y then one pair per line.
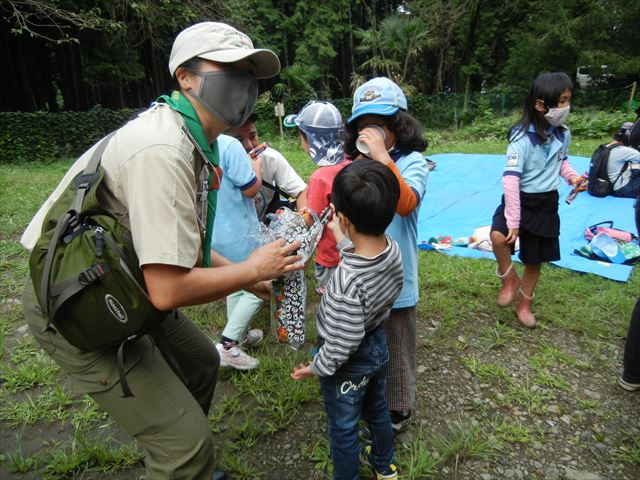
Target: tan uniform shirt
x,y
151,187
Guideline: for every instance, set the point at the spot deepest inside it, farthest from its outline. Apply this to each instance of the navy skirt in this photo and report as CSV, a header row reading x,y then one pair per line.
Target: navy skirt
x,y
539,227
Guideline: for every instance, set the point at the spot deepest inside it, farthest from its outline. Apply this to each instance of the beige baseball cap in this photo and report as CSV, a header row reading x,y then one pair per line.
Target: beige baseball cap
x,y
220,42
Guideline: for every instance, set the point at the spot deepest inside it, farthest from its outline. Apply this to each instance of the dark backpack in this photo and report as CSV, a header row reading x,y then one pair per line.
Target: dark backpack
x,y
599,183
86,273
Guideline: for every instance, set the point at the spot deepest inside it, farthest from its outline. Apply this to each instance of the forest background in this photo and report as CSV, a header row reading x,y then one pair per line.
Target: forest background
x,y
79,69
66,55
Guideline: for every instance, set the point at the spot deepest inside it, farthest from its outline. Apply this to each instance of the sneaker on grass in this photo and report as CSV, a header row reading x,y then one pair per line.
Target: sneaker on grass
x,y
628,386
253,336
400,422
235,357
390,472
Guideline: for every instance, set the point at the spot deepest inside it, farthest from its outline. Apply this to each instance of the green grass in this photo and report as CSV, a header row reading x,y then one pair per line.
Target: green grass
x,y
256,408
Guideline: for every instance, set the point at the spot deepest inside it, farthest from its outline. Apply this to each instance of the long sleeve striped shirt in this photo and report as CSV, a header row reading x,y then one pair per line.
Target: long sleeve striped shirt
x,y
358,298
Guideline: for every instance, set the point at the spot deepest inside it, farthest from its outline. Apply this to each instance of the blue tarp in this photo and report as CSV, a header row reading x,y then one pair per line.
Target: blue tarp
x,y
465,189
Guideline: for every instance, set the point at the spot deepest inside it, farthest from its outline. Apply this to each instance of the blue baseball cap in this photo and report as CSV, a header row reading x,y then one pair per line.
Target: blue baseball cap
x,y
607,248
378,96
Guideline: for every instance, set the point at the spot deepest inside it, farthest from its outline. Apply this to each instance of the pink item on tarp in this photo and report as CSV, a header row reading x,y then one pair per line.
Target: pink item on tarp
x,y
614,233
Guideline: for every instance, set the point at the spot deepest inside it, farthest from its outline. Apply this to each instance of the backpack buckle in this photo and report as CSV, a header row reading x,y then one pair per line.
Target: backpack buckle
x,y
92,274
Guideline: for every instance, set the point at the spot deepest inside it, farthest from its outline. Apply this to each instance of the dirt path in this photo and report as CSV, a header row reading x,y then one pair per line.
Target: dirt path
x,y
495,402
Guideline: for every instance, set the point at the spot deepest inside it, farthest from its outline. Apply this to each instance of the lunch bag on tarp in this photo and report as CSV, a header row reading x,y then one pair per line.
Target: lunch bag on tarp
x,y
86,273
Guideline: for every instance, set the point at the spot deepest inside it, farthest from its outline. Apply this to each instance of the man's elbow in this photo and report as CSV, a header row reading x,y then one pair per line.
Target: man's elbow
x,y
161,287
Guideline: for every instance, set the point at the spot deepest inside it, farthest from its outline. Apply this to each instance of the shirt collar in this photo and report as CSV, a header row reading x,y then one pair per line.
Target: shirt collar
x,y
535,139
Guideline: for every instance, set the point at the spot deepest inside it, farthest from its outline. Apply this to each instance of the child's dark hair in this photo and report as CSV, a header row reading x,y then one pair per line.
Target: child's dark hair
x,y
409,134
622,136
547,87
367,193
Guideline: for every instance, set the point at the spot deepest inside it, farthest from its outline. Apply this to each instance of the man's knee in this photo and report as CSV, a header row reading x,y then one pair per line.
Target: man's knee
x,y
183,451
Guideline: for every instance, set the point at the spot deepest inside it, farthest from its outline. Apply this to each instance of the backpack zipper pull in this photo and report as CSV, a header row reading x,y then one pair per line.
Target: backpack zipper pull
x,y
99,241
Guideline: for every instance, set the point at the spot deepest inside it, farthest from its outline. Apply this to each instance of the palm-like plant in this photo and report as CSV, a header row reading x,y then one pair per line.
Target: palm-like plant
x,y
299,80
393,46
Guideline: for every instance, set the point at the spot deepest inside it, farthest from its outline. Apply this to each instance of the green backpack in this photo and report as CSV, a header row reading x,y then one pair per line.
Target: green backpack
x,y
86,273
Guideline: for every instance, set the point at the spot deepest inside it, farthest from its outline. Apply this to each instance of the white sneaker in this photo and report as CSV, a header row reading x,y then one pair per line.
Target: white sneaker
x,y
236,358
253,336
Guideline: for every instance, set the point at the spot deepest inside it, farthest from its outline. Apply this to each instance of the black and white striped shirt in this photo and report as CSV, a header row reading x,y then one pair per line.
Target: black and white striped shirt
x,y
358,298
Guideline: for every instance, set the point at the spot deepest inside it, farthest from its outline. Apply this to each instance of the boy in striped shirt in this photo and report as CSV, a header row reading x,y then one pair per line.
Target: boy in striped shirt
x,y
352,352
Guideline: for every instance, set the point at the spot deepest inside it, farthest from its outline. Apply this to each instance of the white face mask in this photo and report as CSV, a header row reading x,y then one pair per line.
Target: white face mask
x,y
557,116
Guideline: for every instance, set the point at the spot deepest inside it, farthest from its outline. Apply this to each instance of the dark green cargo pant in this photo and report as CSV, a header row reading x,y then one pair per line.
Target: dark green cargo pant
x,y
168,414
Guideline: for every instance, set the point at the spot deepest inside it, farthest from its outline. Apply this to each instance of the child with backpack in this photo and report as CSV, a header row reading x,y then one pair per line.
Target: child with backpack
x,y
623,165
380,126
536,158
614,167
352,356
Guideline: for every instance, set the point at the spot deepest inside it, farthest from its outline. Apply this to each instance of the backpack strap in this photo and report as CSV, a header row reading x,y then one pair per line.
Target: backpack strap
x,y
83,183
622,170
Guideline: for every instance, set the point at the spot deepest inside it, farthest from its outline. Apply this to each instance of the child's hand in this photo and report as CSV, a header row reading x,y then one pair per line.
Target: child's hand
x,y
512,236
257,163
306,216
301,372
334,225
374,140
580,183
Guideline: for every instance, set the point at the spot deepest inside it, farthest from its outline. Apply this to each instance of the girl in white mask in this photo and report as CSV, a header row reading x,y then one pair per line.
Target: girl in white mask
x,y
536,159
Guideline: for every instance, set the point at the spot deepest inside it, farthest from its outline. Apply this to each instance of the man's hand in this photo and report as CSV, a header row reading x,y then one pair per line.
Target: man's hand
x,y
301,372
275,259
261,290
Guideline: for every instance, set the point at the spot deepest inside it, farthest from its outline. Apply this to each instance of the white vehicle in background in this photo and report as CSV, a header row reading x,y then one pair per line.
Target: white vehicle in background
x,y
587,76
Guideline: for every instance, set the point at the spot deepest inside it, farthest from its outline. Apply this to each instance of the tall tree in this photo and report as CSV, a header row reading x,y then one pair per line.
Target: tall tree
x,y
394,46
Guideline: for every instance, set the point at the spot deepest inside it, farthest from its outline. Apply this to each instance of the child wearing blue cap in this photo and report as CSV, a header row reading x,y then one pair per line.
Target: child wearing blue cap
x,y
320,128
381,129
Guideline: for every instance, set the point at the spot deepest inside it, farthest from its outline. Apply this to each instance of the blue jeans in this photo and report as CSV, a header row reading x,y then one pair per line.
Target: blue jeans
x,y
355,391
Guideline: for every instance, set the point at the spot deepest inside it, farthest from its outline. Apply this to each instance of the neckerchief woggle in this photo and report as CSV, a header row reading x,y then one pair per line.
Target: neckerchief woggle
x,y
180,104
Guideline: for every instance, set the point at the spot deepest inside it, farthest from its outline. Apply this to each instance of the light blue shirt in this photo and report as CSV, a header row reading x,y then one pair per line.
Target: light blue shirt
x,y
236,223
618,157
536,161
404,230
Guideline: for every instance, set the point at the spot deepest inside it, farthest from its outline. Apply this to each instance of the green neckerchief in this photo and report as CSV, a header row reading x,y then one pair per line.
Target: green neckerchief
x,y
180,104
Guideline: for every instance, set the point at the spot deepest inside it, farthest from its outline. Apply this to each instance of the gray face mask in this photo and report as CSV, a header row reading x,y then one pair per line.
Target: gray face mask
x,y
230,96
557,116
